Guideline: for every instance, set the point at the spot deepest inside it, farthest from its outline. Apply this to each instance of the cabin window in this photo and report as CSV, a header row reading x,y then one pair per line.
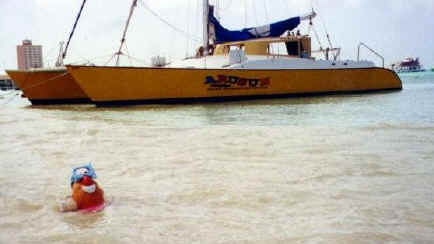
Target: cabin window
x,y
277,49
237,47
292,48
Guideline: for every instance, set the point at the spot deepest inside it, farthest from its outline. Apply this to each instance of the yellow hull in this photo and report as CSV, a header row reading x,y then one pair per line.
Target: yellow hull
x,y
129,85
54,86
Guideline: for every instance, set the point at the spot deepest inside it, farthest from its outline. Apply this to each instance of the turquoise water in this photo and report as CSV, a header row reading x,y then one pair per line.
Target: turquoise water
x,y
332,169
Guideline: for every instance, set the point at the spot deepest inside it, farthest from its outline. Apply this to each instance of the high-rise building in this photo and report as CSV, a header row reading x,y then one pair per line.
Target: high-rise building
x,y
29,56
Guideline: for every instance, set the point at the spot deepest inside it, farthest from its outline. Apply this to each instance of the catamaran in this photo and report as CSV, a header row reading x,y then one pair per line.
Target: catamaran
x,y
51,85
236,65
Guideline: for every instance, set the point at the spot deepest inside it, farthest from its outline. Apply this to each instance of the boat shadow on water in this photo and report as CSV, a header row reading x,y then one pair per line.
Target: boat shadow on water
x,y
328,98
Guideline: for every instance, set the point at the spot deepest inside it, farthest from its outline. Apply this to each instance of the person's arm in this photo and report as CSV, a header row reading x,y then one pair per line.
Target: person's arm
x,y
68,205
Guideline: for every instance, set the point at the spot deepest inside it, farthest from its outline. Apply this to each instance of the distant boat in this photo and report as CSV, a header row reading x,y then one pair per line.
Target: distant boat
x,y
2,94
408,65
236,65
6,83
51,85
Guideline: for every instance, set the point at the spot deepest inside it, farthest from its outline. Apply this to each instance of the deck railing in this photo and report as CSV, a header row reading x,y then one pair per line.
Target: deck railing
x,y
370,49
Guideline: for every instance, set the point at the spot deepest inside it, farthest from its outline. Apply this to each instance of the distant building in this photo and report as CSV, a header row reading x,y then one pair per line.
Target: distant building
x,y
6,83
29,56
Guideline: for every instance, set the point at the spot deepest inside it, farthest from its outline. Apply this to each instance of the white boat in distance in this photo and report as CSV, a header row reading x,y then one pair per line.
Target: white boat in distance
x,y
408,65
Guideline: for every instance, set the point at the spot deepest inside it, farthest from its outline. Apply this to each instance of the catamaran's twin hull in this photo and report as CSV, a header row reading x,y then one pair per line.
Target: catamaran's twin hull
x,y
44,87
107,86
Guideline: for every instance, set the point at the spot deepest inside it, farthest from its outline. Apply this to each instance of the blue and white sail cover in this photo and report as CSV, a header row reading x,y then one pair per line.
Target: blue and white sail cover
x,y
272,30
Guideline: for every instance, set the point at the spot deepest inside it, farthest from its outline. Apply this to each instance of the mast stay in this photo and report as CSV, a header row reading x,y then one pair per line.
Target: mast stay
x,y
59,61
205,27
335,51
119,52
73,30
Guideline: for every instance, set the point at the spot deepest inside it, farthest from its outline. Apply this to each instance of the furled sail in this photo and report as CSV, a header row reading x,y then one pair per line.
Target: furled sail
x,y
221,34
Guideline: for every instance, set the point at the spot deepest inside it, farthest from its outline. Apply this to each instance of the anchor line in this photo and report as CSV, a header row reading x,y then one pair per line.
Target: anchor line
x,y
44,81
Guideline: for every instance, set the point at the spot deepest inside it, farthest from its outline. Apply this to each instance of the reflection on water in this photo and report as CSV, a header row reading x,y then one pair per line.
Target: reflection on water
x,y
83,221
316,111
332,169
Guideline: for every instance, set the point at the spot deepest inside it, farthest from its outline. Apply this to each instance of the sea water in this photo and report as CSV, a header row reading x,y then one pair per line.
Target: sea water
x,y
330,169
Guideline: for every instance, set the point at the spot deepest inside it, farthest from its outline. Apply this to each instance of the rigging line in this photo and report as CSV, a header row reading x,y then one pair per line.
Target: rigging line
x,y
127,54
188,17
321,19
266,11
196,29
138,60
169,24
217,9
309,28
227,7
49,54
326,32
245,12
317,37
94,58
171,44
111,58
79,55
42,82
286,5
88,61
255,13
73,29
133,5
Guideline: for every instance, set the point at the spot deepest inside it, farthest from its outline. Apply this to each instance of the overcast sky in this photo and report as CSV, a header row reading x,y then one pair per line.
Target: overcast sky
x,y
395,28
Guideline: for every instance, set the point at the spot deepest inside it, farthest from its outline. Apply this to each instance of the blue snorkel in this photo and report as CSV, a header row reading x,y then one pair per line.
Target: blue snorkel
x,y
79,172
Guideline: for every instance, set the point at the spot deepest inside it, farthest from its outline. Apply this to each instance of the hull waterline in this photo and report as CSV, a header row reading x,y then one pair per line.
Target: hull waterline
x,y
46,87
112,86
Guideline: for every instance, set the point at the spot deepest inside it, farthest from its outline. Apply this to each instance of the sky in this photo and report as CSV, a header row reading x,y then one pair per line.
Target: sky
x,y
394,28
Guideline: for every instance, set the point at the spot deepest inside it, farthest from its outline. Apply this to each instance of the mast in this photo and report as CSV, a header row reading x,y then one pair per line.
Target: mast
x,y
119,52
73,29
205,27
59,61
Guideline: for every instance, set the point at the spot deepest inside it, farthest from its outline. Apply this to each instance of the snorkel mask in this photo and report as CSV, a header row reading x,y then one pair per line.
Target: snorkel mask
x,y
79,172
